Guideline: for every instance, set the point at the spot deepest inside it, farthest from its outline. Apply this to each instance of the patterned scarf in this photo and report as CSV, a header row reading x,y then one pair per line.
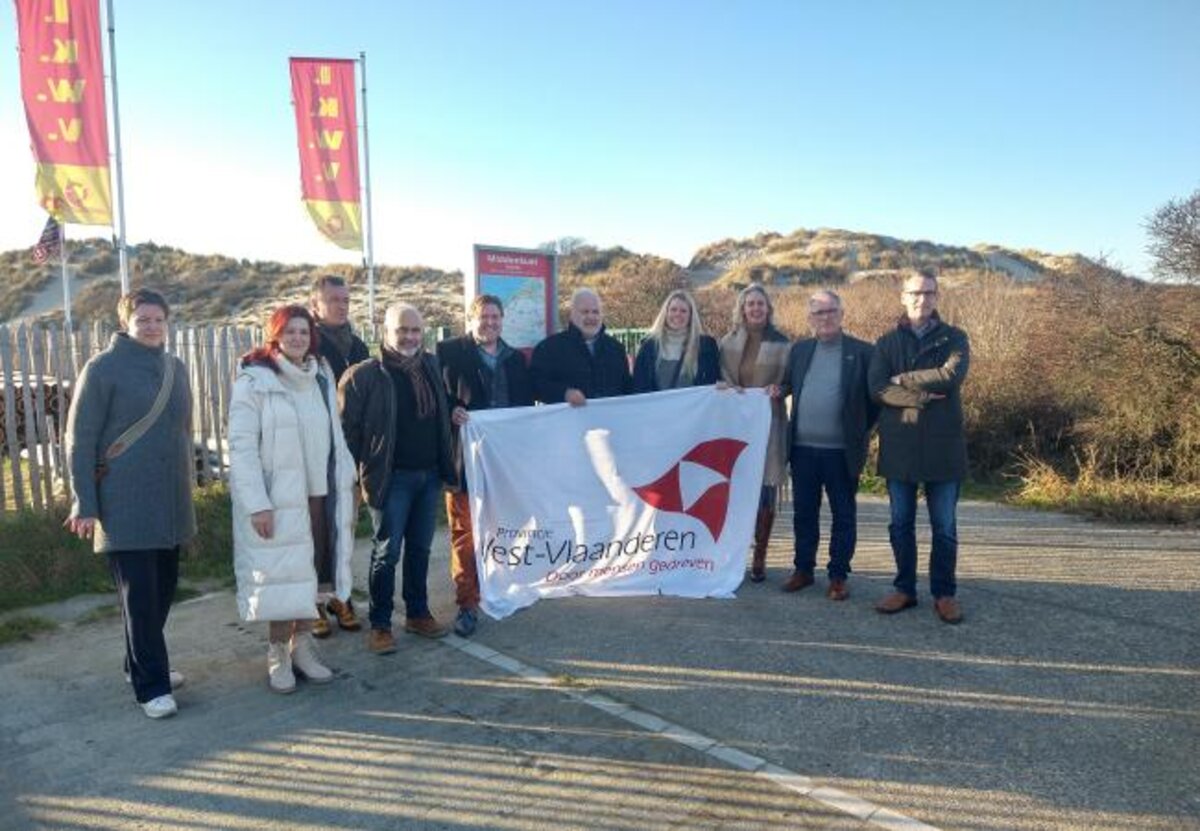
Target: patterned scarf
x,y
413,368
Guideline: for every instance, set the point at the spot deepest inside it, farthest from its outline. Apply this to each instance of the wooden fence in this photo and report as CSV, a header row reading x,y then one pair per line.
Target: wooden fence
x,y
38,369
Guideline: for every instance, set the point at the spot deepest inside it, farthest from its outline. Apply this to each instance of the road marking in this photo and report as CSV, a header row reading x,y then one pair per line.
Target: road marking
x,y
797,783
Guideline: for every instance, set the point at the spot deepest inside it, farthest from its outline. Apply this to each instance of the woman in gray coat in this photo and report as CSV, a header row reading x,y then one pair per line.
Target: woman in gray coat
x,y
130,452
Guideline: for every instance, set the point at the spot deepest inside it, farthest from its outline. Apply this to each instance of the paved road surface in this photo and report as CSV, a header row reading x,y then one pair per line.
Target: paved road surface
x,y
1068,699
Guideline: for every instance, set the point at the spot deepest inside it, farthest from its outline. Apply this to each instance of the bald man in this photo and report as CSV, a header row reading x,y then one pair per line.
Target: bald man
x,y
582,361
397,424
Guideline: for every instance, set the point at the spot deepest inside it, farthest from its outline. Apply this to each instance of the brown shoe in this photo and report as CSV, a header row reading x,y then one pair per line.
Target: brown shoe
x,y
344,612
837,590
426,627
895,602
320,626
799,580
381,642
948,609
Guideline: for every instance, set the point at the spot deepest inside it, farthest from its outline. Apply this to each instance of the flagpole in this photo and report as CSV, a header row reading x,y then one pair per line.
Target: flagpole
x,y
66,280
116,109
370,238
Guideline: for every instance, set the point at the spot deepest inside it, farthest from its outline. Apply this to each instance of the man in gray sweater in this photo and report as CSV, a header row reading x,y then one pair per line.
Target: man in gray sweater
x,y
832,416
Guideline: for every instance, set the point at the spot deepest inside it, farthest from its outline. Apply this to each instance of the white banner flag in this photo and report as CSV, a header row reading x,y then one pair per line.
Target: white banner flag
x,y
645,494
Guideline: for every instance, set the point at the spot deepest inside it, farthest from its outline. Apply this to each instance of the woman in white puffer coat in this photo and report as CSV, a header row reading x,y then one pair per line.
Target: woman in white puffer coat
x,y
291,480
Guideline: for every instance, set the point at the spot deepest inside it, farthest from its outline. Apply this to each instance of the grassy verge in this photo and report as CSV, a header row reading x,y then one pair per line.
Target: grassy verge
x,y
210,557
23,628
41,563
1120,500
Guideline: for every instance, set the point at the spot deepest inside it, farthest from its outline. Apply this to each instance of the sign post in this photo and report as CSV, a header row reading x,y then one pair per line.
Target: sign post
x,y
526,281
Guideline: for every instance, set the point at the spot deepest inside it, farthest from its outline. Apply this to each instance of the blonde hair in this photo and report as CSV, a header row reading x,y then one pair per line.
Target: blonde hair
x,y
739,308
690,359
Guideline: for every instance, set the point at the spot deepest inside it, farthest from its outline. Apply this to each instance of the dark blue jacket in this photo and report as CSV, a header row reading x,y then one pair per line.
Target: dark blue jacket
x,y
645,374
562,362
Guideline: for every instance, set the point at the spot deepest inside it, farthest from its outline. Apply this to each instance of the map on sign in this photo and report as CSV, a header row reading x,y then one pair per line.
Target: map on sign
x,y
524,307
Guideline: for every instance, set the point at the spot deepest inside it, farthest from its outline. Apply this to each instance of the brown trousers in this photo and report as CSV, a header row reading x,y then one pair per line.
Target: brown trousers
x,y
462,550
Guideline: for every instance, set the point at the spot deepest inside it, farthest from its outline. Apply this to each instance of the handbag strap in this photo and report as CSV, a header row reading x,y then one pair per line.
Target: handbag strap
x,y
138,429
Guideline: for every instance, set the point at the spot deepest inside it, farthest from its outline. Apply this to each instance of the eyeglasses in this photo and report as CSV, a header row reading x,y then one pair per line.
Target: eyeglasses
x,y
823,312
922,293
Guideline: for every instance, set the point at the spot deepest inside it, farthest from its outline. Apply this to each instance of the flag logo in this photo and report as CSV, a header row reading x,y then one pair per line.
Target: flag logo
x,y
698,484
49,244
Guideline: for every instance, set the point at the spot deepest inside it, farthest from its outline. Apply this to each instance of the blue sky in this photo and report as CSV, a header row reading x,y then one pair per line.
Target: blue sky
x,y
660,126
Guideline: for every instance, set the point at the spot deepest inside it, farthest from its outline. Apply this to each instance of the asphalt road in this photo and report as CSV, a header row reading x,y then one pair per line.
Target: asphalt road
x,y
1068,699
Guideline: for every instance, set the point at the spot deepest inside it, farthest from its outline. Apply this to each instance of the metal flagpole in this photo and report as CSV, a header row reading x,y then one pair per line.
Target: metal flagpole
x,y
370,238
66,281
116,110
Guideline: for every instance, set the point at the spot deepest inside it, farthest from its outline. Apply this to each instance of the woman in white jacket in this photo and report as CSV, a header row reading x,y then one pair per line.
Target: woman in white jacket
x,y
291,479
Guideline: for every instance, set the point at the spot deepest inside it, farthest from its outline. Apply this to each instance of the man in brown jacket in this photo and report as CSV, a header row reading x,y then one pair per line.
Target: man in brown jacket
x,y
397,425
916,375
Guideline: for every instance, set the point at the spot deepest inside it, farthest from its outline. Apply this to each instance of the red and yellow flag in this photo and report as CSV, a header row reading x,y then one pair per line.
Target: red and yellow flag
x,y
326,128
62,84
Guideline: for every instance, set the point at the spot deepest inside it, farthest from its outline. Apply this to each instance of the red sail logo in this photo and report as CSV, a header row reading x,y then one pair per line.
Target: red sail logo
x,y
698,484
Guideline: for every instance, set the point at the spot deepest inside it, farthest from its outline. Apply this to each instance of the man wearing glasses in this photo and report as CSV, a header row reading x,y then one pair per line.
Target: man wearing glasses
x,y
916,375
832,416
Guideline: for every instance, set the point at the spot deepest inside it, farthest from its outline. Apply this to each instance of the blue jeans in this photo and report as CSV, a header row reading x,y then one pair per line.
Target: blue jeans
x,y
815,469
942,500
407,520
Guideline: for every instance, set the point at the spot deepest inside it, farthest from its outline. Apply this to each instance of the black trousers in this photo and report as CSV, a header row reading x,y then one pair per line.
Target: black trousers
x,y
146,583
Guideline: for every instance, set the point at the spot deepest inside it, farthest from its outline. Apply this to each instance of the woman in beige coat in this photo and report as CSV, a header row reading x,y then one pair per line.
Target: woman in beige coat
x,y
755,354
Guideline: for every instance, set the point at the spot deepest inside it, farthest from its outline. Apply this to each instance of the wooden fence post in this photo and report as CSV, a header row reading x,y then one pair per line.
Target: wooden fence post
x,y
27,414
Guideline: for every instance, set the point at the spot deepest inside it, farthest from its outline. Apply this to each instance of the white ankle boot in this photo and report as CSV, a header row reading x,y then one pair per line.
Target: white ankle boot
x,y
279,668
305,660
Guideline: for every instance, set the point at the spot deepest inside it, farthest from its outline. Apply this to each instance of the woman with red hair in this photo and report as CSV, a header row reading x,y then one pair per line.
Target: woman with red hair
x,y
291,480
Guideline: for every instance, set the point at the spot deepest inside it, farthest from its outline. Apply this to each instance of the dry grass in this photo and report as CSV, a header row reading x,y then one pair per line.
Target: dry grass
x,y
1127,500
23,628
206,288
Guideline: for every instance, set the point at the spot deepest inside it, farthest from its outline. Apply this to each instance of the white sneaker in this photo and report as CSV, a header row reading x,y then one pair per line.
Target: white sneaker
x,y
177,679
306,662
160,707
279,668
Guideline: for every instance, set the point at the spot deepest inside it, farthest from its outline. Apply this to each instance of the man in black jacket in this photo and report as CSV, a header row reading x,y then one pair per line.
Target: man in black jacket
x,y
832,416
582,361
330,302
397,425
917,375
480,372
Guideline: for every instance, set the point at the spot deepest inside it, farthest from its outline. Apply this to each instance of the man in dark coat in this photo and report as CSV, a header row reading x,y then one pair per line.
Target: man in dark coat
x,y
397,425
330,303
341,348
917,375
832,417
582,361
480,372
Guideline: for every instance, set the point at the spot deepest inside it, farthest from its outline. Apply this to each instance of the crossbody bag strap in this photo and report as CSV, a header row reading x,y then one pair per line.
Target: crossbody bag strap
x,y
139,428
